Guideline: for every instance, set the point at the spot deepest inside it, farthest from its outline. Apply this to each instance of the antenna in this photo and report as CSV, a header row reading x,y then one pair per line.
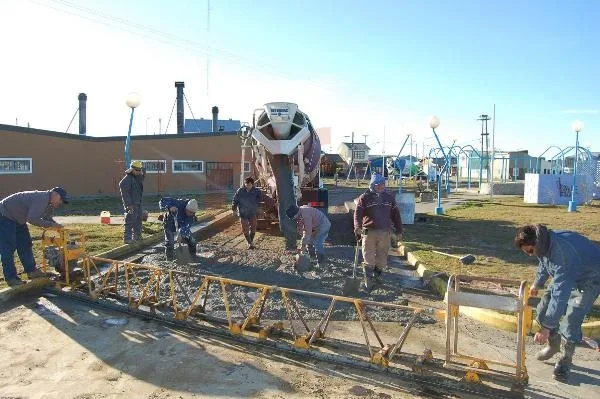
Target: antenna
x,y
208,44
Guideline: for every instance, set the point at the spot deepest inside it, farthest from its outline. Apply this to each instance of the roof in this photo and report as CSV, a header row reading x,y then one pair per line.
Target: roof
x,y
205,125
357,146
41,132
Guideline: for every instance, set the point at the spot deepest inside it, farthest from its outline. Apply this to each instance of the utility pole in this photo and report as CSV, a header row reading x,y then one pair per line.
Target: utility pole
x,y
494,152
365,136
484,138
383,153
410,160
351,158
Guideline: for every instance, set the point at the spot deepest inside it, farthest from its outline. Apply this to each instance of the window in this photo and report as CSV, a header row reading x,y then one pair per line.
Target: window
x,y
15,166
188,166
155,166
247,167
359,155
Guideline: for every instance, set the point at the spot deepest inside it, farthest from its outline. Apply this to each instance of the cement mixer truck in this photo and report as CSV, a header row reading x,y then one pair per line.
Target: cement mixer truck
x,y
284,153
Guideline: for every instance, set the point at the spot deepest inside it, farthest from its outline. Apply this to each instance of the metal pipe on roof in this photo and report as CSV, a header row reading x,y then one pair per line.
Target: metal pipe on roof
x,y
82,113
180,113
215,119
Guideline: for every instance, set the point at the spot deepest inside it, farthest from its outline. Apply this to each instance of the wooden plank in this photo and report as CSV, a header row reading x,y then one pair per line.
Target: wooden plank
x,y
482,301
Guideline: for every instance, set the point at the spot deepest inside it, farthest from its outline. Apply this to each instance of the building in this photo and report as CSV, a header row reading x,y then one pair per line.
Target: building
x,y
93,166
330,163
206,125
361,153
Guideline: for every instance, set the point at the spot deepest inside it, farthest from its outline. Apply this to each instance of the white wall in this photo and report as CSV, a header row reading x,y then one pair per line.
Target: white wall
x,y
556,189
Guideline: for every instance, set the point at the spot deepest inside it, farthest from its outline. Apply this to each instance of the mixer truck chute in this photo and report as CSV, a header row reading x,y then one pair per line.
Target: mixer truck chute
x,y
285,153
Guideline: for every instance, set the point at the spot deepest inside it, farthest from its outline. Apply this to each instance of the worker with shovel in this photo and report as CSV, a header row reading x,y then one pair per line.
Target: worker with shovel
x,y
246,202
573,262
180,215
376,213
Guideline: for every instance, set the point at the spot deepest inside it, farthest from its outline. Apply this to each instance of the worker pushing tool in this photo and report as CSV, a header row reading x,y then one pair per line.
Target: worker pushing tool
x,y
573,262
132,191
375,216
16,210
180,215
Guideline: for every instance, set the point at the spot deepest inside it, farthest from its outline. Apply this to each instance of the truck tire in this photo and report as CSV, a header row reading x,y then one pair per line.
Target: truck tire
x,y
285,195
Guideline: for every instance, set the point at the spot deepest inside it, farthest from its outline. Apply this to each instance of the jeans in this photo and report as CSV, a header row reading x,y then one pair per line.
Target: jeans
x,y
322,233
13,237
248,225
579,306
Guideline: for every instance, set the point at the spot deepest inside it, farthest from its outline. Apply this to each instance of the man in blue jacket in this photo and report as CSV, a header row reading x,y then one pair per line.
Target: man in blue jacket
x,y
180,215
573,262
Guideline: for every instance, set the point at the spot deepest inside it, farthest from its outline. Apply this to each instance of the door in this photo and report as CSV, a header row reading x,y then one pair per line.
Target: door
x,y
219,176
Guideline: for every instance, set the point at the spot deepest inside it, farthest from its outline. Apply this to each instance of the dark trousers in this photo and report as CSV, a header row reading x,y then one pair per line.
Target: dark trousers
x,y
15,237
133,224
170,231
248,225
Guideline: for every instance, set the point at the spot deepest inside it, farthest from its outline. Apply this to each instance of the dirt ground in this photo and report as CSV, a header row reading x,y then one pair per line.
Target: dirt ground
x,y
56,348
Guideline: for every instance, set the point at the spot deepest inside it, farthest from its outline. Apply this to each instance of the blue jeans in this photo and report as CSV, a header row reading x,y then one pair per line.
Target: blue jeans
x,y
13,237
580,304
322,233
170,232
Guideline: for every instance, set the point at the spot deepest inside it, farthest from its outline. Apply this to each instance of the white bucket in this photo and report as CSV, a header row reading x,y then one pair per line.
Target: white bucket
x,y
406,203
105,217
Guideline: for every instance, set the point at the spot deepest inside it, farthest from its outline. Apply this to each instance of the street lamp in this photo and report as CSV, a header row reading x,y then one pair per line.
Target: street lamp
x,y
132,101
434,122
577,127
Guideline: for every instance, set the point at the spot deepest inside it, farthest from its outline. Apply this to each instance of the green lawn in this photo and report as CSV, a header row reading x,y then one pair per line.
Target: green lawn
x,y
485,228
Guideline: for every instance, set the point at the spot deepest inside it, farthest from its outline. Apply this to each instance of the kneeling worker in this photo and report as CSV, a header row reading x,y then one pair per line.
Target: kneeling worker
x,y
573,262
182,212
314,227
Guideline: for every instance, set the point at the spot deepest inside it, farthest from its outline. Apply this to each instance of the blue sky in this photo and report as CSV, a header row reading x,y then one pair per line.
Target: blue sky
x,y
351,65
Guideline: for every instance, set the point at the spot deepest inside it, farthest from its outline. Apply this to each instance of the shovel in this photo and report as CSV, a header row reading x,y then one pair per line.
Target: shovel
x,y
352,285
465,260
182,253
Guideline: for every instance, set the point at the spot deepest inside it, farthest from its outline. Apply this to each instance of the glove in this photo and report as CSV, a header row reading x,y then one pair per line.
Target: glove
x,y
178,238
358,232
161,217
130,210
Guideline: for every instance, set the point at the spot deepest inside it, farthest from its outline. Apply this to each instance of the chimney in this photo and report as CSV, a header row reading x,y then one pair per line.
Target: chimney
x,y
215,112
82,113
180,116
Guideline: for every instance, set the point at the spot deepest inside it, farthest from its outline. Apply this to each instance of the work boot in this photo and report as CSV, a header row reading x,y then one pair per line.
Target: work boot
x,y
562,368
252,240
36,274
129,241
551,348
377,274
15,282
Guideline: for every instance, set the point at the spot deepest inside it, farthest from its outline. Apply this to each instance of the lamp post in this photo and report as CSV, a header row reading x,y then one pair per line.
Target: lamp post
x,y
132,101
433,123
577,127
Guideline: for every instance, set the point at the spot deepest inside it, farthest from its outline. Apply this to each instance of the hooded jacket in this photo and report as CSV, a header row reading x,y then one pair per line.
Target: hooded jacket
x,y
377,211
572,261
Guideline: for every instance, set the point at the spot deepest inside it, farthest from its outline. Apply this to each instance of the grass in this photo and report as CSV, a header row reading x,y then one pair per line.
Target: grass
x,y
485,228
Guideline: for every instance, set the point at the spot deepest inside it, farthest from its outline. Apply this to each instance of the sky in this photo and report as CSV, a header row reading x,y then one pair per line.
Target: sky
x,y
376,68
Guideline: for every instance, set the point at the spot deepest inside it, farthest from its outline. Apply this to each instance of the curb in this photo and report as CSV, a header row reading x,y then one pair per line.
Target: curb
x,y
126,249
488,317
8,293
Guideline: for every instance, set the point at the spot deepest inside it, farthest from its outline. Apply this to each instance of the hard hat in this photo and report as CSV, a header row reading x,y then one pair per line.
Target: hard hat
x,y
192,206
136,164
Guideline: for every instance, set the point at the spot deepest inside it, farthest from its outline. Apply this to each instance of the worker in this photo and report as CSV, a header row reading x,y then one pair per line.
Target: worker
x,y
246,201
573,262
16,210
132,190
375,216
313,226
180,215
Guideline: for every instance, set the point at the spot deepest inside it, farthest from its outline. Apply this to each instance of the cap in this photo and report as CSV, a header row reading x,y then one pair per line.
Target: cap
x,y
192,205
63,194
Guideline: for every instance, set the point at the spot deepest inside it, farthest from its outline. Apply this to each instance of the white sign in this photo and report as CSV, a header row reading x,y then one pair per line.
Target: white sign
x,y
556,189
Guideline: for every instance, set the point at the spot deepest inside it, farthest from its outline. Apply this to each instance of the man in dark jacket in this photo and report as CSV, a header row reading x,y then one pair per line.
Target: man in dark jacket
x,y
16,211
177,222
132,190
246,201
573,262
376,213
